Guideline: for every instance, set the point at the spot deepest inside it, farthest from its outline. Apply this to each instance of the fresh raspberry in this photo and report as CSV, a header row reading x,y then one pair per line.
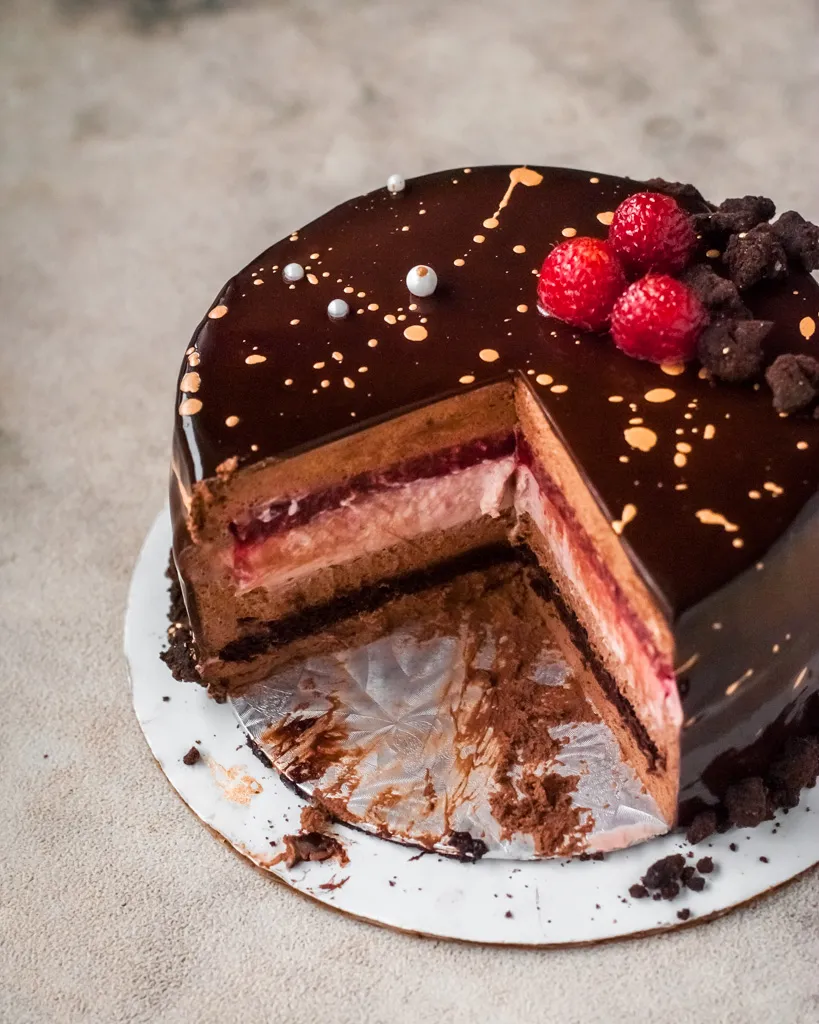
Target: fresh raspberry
x,y
579,282
650,231
659,319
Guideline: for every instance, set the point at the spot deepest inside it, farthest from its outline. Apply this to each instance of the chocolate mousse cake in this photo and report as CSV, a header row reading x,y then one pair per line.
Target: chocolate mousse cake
x,y
610,383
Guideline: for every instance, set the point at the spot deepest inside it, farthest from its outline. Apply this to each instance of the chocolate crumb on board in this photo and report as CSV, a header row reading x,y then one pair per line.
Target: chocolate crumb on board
x,y
638,892
797,767
732,349
702,827
705,865
192,756
684,914
664,871
312,846
764,860
469,849
696,883
794,380
508,914
746,803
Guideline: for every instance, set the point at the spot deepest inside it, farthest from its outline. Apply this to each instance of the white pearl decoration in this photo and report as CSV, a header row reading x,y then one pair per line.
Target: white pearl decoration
x,y
293,272
422,281
338,309
395,183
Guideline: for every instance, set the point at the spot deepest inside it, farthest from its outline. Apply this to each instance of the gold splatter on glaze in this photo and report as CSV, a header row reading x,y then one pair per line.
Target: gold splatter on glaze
x,y
606,217
523,308
490,222
372,306
348,290
479,238
415,332
518,248
713,254
559,389
373,343
754,495
466,379
288,382
773,489
231,421
190,382
738,542
594,181
544,379
488,355
684,447
807,327
616,398
339,358
320,365
626,516
312,279
660,395
325,383
569,232
801,445
295,322
680,460
258,281
680,487
709,432
255,358
349,382
193,359
390,318
190,407
711,518
641,438
517,176
217,312
673,369
459,262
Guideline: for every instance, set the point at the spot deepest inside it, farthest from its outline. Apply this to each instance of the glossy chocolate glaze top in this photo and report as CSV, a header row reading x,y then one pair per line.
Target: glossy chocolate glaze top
x,y
722,475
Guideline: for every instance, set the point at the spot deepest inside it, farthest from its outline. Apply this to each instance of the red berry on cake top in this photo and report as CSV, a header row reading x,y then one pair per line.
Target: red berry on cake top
x,y
579,282
659,319
650,232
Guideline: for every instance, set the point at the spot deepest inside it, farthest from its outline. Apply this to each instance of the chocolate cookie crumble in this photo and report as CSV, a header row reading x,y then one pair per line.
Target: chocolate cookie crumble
x,y
192,756
732,349
794,380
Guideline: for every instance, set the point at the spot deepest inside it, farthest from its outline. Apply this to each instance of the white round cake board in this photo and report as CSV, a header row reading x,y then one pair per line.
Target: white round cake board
x,y
537,903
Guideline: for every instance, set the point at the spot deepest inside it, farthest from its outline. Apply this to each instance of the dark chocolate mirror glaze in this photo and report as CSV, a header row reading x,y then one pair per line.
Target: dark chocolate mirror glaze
x,y
746,470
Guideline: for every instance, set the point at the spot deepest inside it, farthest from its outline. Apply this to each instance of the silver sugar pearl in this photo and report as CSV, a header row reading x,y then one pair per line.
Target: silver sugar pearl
x,y
395,183
293,272
338,309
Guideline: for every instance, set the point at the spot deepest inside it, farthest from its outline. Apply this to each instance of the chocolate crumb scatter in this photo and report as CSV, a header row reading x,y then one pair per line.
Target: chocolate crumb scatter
x,y
732,349
702,826
754,257
663,872
469,849
696,883
764,860
684,914
192,756
746,803
799,238
638,892
705,865
794,380
738,215
719,296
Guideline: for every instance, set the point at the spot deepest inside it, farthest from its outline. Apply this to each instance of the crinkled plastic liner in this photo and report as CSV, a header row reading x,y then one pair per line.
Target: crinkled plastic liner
x,y
383,726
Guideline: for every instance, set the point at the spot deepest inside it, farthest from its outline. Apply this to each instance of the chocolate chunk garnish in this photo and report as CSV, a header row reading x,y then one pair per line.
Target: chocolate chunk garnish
x,y
664,871
684,914
742,214
638,892
312,847
719,295
794,380
677,190
687,874
747,802
755,256
469,849
799,238
703,826
732,349
192,756
696,884
796,768
705,865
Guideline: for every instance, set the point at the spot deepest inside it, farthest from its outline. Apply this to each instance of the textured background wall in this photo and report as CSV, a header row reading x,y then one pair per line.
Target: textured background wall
x,y
147,149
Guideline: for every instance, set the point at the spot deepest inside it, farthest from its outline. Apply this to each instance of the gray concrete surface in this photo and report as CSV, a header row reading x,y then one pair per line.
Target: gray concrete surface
x,y
147,149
